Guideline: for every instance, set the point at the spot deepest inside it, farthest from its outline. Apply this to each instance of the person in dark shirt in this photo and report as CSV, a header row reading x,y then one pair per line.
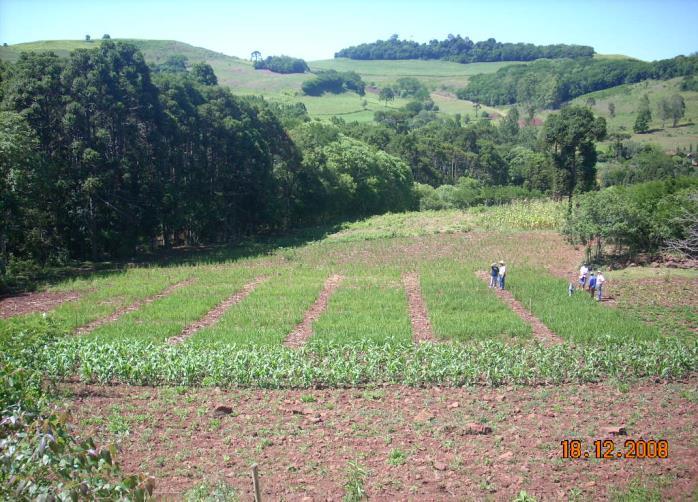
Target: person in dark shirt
x,y
494,275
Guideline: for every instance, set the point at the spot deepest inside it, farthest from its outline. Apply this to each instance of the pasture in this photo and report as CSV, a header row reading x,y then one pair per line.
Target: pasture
x,y
362,362
626,99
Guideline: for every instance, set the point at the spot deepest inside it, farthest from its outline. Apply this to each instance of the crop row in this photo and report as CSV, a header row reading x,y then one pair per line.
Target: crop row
x,y
335,365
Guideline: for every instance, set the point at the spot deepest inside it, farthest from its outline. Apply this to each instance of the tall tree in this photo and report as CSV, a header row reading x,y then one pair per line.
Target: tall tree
x,y
663,110
18,160
509,127
203,73
570,137
612,109
644,116
386,94
677,108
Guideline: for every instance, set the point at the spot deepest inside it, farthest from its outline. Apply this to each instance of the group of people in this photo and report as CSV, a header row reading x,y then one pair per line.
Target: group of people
x,y
590,281
498,275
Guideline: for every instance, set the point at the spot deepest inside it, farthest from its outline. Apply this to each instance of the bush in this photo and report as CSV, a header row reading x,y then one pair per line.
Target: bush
x,y
637,218
469,192
282,64
334,82
39,458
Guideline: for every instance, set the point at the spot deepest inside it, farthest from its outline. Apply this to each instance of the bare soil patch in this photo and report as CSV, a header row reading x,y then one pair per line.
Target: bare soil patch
x,y
27,303
91,326
540,330
304,330
213,315
303,441
421,327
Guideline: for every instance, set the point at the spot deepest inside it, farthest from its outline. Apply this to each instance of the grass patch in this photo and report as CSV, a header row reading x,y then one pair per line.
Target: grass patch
x,y
462,308
270,312
578,319
410,224
168,316
365,308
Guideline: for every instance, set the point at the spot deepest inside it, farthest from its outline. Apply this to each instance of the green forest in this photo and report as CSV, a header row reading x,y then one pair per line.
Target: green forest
x,y
549,84
462,50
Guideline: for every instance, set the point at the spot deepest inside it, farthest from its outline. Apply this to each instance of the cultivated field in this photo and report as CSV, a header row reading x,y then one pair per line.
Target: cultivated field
x,y
375,361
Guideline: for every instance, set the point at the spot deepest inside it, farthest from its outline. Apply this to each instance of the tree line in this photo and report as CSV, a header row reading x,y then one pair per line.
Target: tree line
x,y
462,50
282,64
334,82
548,84
100,157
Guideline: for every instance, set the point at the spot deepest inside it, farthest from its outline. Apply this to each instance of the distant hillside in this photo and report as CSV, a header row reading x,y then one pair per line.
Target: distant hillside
x,y
626,101
441,77
237,73
550,83
463,50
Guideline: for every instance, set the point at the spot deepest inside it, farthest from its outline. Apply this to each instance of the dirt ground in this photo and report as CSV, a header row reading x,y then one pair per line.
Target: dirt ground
x,y
27,303
412,444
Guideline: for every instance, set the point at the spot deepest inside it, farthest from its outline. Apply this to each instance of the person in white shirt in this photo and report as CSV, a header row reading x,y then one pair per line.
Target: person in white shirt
x,y
600,279
583,272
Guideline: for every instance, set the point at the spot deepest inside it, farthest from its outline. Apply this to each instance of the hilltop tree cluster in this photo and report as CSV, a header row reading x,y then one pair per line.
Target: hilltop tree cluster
x,y
462,50
281,64
334,82
549,84
99,158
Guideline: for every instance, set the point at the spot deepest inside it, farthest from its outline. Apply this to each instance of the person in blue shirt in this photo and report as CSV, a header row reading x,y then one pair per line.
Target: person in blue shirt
x,y
494,275
502,274
592,284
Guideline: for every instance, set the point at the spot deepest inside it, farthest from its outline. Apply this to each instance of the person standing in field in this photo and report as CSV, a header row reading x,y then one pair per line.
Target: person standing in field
x,y
502,274
494,275
592,284
600,279
583,272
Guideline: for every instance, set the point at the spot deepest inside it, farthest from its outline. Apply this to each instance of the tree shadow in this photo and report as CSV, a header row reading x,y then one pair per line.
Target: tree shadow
x,y
35,277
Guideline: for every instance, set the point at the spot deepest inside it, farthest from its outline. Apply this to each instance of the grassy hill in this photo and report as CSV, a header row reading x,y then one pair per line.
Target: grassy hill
x,y
626,99
441,77
238,74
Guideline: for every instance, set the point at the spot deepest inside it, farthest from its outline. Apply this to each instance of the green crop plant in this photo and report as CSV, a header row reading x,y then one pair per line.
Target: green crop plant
x,y
101,296
169,315
361,363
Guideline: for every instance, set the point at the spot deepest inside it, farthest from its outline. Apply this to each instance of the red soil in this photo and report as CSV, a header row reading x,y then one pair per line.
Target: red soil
x,y
27,303
421,327
304,448
304,330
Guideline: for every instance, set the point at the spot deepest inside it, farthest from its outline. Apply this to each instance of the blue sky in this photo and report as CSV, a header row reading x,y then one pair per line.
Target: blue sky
x,y
314,29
